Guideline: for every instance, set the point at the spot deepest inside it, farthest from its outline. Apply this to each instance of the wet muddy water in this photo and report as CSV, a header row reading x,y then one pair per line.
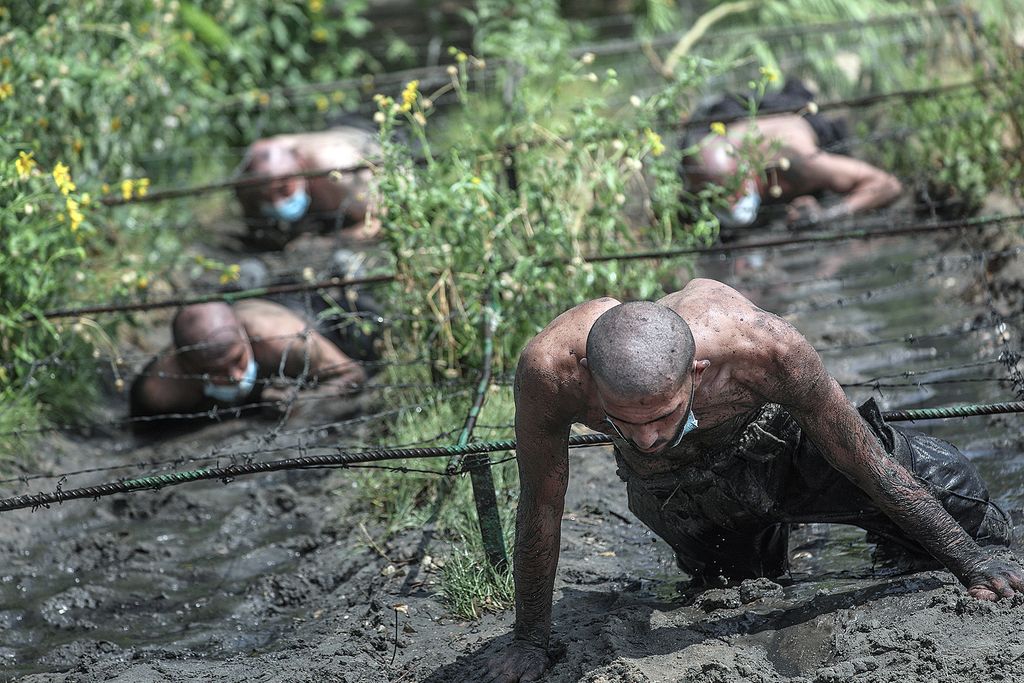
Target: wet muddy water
x,y
208,568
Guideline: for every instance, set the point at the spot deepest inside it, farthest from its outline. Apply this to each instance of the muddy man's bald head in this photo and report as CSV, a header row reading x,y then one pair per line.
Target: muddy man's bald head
x,y
640,349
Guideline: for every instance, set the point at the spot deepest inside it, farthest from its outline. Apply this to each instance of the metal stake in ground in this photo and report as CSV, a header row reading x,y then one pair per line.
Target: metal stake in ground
x,y
479,465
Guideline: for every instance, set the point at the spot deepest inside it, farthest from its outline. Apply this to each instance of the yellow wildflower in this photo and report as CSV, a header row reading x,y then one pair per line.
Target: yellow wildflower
x,y
141,187
718,128
322,103
770,74
143,282
475,180
115,123
319,35
338,96
62,176
461,57
657,146
316,6
105,188
230,274
264,99
86,199
24,164
74,214
409,95
126,188
6,90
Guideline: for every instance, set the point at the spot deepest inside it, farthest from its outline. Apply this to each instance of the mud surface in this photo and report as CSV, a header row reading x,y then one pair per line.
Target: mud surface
x,y
276,578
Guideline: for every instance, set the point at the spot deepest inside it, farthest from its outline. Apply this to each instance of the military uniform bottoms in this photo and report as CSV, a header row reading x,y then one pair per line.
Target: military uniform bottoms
x,y
729,513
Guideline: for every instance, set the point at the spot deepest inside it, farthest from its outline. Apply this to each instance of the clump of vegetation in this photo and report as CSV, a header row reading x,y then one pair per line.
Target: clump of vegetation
x,y
959,146
536,174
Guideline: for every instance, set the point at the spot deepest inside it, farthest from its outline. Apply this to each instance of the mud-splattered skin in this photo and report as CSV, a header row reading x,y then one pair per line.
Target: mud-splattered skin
x,y
745,358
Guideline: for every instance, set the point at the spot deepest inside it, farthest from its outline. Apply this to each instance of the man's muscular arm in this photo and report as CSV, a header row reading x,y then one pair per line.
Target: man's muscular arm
x,y
542,433
864,186
818,403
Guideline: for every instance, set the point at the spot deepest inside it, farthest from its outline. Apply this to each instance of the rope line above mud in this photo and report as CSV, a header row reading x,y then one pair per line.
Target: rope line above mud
x,y
343,459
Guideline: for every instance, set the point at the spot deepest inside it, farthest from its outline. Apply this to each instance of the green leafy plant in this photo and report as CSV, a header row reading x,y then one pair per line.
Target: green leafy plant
x,y
525,189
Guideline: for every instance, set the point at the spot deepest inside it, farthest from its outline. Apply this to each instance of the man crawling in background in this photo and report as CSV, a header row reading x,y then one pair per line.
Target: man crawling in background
x,y
335,203
802,160
728,430
254,352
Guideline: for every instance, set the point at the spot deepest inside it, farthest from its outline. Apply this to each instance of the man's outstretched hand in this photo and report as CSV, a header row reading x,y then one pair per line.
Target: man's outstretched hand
x,y
994,578
519,662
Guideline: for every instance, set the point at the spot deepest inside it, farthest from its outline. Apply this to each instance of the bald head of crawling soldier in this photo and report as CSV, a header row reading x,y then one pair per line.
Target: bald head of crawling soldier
x,y
641,356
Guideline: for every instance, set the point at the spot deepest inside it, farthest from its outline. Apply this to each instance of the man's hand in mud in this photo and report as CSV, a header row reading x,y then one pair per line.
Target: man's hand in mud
x,y
520,662
803,212
994,578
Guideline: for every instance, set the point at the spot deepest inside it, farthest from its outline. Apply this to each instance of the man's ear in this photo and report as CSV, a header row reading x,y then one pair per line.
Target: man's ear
x,y
699,366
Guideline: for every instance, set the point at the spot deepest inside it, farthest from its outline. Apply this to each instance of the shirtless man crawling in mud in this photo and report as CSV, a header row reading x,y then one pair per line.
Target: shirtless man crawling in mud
x,y
278,210
252,352
800,162
728,430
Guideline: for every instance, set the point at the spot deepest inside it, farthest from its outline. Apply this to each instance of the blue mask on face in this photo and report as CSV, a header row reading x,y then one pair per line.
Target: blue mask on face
x,y
231,393
743,212
688,426
290,209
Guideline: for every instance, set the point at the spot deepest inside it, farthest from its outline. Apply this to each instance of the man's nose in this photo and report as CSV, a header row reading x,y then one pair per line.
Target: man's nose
x,y
645,437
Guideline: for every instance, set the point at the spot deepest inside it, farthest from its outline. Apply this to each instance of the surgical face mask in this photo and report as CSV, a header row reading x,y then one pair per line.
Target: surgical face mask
x,y
230,393
744,211
291,208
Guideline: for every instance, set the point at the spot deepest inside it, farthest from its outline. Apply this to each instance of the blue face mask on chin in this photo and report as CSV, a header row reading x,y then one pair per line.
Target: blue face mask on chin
x,y
290,209
231,393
